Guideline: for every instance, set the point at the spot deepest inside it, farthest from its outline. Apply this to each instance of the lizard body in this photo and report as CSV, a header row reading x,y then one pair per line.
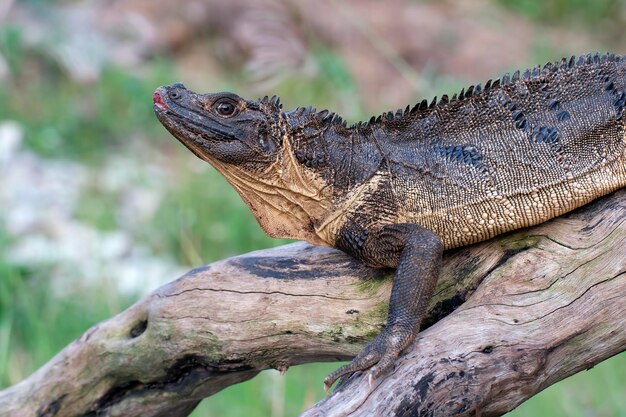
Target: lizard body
x,y
399,189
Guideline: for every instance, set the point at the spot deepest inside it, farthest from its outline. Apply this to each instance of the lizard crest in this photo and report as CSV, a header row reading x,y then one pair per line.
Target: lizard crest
x,y
397,190
302,171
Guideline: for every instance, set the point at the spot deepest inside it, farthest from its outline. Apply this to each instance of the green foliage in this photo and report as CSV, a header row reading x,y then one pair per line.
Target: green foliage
x,y
97,208
332,86
35,325
67,119
11,46
270,394
598,392
73,121
562,11
201,218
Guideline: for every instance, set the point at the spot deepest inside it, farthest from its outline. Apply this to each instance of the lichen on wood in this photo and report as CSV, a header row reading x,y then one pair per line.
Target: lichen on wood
x,y
510,317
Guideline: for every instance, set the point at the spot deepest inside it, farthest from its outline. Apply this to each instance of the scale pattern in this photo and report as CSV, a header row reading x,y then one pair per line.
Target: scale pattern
x,y
516,153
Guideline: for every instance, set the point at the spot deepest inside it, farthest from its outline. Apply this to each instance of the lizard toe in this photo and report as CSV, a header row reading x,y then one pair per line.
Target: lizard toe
x,y
377,356
364,360
382,365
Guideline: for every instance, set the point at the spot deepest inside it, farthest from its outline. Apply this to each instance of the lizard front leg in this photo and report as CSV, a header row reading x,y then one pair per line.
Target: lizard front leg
x,y
416,253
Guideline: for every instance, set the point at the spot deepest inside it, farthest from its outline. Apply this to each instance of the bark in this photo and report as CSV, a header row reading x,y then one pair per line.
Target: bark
x,y
511,317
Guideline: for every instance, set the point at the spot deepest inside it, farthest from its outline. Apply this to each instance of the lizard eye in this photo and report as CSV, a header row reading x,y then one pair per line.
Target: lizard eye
x,y
225,108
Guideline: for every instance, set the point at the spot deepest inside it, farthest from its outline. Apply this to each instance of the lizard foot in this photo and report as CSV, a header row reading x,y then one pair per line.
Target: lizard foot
x,y
377,356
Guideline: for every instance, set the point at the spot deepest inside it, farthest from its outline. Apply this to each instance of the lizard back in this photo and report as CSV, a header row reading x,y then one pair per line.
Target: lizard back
x,y
515,153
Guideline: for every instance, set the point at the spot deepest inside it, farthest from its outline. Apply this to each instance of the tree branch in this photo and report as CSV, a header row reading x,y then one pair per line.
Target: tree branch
x,y
535,307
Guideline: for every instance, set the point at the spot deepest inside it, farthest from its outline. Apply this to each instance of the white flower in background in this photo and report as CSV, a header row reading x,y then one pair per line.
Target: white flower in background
x,y
38,202
11,135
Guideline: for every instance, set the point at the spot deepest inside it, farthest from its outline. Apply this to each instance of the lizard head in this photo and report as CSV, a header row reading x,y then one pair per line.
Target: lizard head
x,y
221,128
249,143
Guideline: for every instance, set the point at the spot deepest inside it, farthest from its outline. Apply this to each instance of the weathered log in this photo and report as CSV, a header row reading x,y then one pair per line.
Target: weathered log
x,y
521,312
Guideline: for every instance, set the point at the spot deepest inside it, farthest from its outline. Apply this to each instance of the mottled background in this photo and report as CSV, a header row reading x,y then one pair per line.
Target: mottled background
x,y
98,205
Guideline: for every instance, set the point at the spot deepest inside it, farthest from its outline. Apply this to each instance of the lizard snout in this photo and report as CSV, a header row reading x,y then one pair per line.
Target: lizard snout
x,y
164,94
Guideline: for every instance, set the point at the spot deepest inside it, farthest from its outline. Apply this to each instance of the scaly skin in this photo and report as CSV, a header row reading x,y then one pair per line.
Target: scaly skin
x,y
398,190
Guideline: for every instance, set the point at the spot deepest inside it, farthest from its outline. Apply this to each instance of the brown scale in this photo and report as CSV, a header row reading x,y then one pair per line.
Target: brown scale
x,y
397,190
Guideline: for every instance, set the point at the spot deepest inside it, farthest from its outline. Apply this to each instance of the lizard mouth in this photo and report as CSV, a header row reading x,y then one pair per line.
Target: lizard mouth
x,y
157,98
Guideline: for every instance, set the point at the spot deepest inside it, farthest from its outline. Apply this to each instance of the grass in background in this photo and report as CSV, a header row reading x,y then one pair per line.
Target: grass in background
x,y
598,392
200,220
35,325
65,119
587,13
607,17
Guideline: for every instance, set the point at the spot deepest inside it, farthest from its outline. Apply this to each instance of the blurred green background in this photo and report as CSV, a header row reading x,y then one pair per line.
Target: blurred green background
x,y
99,205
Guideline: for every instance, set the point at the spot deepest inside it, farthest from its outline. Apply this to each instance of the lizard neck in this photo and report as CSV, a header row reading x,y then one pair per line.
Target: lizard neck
x,y
287,200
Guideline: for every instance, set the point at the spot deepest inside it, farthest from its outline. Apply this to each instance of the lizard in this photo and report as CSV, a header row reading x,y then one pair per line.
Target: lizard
x,y
397,190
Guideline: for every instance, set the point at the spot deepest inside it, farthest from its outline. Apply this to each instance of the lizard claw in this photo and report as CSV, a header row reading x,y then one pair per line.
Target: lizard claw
x,y
364,360
377,356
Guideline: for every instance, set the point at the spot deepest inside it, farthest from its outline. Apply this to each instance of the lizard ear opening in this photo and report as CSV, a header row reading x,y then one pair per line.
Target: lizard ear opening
x,y
267,144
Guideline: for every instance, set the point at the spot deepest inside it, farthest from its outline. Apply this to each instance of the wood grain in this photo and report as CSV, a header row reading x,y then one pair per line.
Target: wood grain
x,y
511,317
